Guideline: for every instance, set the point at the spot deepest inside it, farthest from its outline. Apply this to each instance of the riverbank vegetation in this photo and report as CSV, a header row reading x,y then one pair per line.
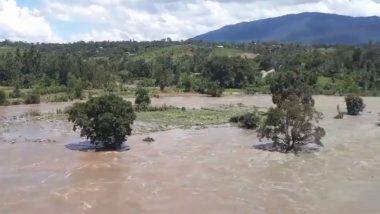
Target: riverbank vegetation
x,y
250,120
165,117
186,118
62,72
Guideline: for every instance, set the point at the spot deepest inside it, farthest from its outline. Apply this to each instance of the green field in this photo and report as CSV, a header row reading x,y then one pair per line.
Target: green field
x,y
7,49
178,51
230,52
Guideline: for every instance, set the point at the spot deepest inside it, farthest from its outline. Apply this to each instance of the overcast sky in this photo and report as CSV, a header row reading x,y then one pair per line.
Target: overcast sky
x,y
73,20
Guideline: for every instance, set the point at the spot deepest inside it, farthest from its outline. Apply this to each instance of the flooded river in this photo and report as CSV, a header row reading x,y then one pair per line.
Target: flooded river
x,y
212,170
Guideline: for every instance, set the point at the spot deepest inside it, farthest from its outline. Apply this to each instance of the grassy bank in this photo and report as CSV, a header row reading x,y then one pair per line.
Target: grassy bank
x,y
171,118
181,118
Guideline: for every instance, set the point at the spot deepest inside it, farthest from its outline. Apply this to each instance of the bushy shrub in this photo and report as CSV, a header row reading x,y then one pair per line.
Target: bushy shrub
x,y
247,121
146,82
250,90
355,104
75,87
16,93
49,90
110,87
59,98
3,98
142,100
211,88
162,108
17,102
156,94
215,90
32,98
78,93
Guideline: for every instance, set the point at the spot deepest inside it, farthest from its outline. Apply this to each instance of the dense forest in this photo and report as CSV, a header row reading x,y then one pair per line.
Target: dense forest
x,y
189,66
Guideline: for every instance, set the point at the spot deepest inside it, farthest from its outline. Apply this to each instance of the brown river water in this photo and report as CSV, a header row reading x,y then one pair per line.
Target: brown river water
x,y
212,170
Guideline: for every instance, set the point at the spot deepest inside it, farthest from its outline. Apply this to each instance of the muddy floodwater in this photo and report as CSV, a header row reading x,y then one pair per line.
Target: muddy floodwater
x,y
212,170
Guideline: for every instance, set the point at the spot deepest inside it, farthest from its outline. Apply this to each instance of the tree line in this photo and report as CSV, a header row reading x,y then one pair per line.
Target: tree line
x,y
188,65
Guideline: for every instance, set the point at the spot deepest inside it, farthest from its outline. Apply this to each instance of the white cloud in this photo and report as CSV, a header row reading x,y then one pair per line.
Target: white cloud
x,y
72,12
23,24
147,20
96,35
157,19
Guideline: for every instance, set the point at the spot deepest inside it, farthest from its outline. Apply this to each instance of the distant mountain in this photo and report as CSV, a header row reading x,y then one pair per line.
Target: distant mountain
x,y
306,28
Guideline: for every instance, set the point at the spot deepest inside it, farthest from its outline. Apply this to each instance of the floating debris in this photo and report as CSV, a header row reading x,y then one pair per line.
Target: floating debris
x,y
148,140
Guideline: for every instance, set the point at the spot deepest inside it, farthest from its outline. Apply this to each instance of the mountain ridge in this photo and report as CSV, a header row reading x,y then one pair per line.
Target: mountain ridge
x,y
308,27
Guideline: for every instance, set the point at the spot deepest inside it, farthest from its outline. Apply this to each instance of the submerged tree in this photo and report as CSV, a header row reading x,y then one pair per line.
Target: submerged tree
x,y
249,120
105,121
340,114
292,123
355,105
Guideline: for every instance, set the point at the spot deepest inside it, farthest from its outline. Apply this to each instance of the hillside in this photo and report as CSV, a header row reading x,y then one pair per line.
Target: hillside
x,y
179,51
306,28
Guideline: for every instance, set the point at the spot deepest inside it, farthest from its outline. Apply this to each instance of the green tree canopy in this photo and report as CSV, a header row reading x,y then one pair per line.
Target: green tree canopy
x,y
105,121
163,73
292,123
